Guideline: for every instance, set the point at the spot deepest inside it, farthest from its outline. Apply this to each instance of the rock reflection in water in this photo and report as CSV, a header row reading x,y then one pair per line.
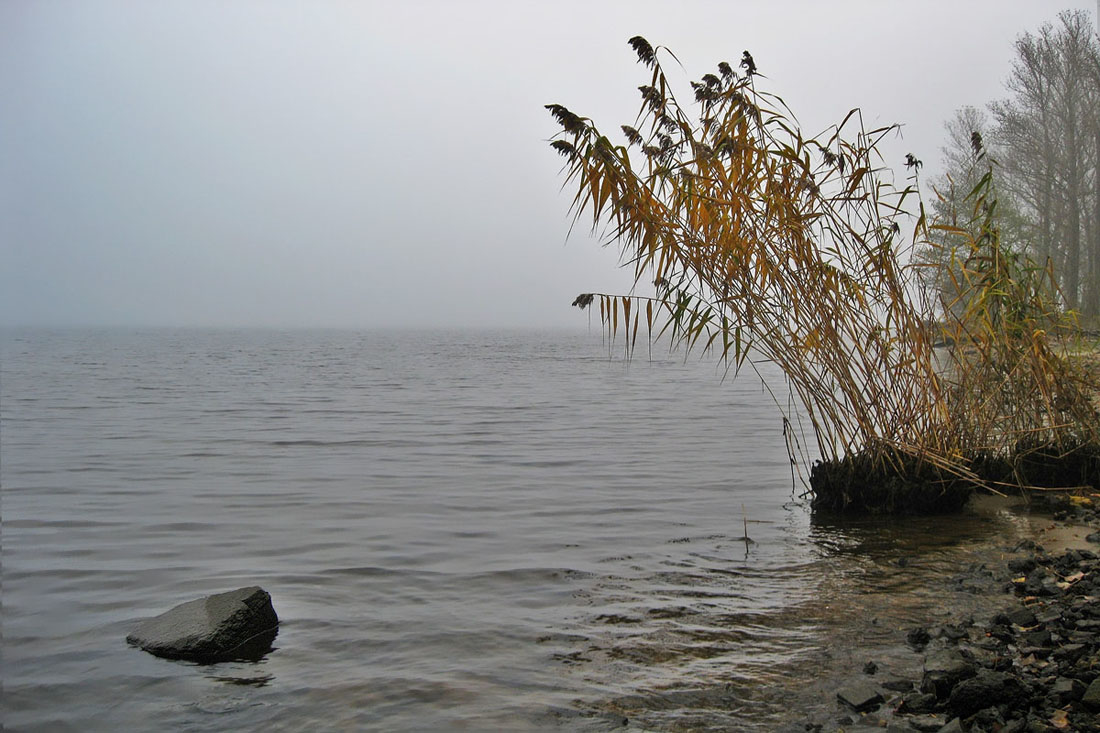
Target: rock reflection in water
x,y
258,681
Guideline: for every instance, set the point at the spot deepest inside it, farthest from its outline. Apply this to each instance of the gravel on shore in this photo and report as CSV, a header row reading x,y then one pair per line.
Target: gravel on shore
x,y
1033,666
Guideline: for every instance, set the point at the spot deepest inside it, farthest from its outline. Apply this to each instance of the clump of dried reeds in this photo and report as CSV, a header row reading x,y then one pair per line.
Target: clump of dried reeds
x,y
1017,400
764,244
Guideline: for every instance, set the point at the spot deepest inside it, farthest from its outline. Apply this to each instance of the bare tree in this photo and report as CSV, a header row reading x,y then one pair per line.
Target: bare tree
x,y
955,207
1091,305
960,156
1047,137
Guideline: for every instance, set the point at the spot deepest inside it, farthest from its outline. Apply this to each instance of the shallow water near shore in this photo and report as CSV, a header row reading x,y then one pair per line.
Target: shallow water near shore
x,y
460,530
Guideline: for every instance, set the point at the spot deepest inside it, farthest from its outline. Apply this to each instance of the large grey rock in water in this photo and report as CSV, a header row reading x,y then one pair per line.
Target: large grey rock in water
x,y
240,624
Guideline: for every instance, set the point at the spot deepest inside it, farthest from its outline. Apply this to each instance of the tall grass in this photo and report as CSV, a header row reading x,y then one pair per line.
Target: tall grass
x,y
762,243
1012,390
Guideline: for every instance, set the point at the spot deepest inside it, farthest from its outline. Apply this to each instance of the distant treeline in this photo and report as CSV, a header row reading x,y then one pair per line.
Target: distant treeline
x,y
1045,138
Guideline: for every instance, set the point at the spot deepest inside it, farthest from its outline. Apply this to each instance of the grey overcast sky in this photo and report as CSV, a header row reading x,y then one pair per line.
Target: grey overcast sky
x,y
346,164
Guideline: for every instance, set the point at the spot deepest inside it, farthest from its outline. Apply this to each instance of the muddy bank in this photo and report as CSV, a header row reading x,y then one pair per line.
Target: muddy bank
x,y
1032,665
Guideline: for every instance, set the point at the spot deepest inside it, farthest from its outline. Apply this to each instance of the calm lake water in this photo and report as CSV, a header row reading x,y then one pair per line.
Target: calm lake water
x,y
459,530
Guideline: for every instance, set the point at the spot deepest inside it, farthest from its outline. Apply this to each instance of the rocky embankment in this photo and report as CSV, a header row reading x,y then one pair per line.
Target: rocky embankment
x,y
1033,666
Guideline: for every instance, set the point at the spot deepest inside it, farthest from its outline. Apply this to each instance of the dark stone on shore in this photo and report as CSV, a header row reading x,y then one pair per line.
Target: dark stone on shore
x,y
1035,638
1092,695
860,697
987,719
870,668
1039,582
1066,689
1094,537
1069,653
1022,616
237,625
982,690
955,726
927,723
1022,564
917,703
943,670
1048,616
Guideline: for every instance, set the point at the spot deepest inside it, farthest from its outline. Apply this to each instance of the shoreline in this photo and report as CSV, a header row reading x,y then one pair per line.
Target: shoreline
x,y
1034,665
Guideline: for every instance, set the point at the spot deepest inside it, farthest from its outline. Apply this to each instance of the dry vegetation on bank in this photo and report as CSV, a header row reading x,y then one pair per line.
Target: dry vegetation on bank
x,y
759,240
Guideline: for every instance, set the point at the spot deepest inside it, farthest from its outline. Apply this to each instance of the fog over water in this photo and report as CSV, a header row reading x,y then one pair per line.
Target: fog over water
x,y
371,164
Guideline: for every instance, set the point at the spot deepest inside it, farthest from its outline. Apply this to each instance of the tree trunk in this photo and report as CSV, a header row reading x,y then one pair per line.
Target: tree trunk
x,y
1073,223
1092,301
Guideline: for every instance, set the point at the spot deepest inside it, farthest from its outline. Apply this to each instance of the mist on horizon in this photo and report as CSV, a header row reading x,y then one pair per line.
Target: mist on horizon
x,y
297,164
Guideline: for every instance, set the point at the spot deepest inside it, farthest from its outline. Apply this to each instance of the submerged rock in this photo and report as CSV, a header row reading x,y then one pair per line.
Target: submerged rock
x,y
918,638
237,625
860,696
